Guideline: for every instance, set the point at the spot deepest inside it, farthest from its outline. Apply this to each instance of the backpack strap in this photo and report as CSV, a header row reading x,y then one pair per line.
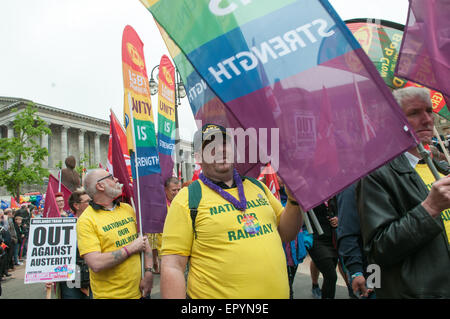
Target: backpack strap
x,y
195,195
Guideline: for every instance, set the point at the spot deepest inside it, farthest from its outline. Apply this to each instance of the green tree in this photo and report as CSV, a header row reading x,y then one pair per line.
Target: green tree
x,y
21,155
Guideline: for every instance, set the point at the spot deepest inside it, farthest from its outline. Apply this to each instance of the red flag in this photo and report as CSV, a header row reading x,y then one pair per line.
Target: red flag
x,y
271,180
197,171
55,185
122,142
14,203
119,167
50,206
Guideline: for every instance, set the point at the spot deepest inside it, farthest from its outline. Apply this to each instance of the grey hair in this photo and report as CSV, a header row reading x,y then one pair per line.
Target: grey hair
x,y
90,181
412,92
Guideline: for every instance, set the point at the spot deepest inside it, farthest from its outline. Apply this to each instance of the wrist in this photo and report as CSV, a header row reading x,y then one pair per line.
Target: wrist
x,y
357,274
430,209
148,269
126,251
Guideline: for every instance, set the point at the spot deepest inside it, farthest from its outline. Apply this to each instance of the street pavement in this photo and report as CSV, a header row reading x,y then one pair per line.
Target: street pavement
x,y
14,287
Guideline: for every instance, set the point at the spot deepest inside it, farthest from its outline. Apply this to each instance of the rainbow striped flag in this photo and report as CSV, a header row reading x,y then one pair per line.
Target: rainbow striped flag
x,y
266,65
148,186
166,116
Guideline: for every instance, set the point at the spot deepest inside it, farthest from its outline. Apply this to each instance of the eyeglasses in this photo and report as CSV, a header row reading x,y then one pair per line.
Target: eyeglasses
x,y
84,201
105,177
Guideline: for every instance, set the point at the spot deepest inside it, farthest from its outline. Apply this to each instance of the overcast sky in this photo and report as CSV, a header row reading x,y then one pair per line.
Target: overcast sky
x,y
67,53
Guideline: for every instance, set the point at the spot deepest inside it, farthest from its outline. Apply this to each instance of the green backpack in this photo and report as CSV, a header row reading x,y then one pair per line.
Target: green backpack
x,y
195,196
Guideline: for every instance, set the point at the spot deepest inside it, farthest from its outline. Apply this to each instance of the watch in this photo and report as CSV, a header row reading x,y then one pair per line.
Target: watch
x,y
149,269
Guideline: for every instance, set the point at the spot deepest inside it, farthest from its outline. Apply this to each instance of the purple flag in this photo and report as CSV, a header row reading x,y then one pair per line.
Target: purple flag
x,y
425,52
316,77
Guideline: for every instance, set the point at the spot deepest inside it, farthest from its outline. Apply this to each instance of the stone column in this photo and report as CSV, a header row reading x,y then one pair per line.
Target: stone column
x,y
97,148
64,145
10,132
44,144
10,127
81,144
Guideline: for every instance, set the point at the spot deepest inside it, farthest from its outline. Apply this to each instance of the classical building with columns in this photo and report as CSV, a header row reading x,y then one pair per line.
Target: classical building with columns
x,y
72,133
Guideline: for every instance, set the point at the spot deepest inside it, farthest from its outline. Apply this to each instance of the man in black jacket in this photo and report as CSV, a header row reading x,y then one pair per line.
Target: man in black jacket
x,y
401,223
350,243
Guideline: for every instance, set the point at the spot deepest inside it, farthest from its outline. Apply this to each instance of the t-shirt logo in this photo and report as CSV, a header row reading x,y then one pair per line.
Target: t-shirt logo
x,y
251,224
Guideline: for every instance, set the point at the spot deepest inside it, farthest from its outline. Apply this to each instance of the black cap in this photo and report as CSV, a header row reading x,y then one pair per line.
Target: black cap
x,y
204,134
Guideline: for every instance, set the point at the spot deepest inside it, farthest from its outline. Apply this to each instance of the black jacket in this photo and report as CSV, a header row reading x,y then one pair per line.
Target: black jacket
x,y
400,236
349,240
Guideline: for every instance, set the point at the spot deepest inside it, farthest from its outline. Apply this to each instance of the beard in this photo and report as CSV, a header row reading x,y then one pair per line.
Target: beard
x,y
114,192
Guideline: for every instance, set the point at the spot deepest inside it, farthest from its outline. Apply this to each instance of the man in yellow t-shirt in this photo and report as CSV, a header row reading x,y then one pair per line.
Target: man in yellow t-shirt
x,y
109,243
235,250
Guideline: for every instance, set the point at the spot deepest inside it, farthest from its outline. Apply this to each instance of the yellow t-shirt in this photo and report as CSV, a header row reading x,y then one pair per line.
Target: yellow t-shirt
x,y
106,231
424,172
226,261
155,239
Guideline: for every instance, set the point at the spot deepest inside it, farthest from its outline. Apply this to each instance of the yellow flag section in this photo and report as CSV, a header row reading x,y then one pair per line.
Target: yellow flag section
x,y
428,178
137,99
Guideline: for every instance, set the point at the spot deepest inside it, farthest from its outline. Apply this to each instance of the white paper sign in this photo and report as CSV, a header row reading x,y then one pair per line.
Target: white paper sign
x,y
51,250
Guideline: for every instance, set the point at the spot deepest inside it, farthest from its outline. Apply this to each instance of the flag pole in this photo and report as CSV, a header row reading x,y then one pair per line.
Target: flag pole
x,y
316,222
59,182
426,156
307,223
130,111
444,149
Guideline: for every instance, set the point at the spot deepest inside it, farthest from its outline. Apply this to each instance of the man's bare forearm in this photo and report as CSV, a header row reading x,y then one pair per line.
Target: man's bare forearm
x,y
98,261
291,221
148,258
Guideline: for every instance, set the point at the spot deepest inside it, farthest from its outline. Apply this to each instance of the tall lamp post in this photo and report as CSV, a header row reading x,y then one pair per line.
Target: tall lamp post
x,y
180,92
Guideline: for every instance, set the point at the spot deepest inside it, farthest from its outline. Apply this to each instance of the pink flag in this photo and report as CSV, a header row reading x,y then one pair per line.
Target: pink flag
x,y
55,185
326,155
50,206
425,52
368,130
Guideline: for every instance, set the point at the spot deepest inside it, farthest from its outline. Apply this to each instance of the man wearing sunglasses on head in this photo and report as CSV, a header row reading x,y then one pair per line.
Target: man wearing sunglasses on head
x,y
110,244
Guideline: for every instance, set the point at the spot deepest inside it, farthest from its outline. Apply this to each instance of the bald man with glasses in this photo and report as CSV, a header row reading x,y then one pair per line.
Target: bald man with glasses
x,y
109,242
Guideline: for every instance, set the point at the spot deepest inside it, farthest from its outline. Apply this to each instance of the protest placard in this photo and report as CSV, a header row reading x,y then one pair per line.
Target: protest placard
x,y
51,250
